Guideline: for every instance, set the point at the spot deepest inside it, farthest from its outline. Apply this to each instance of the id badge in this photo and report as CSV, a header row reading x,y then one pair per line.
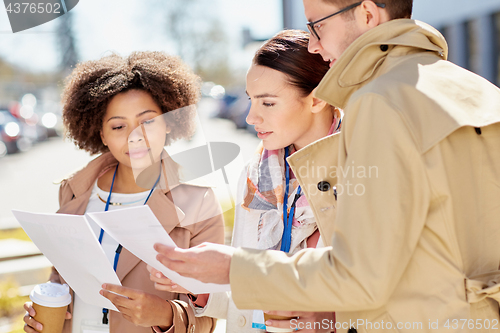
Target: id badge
x,y
258,320
93,327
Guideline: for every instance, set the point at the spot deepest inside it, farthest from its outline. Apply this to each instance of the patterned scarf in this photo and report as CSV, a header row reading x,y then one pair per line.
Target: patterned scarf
x,y
264,198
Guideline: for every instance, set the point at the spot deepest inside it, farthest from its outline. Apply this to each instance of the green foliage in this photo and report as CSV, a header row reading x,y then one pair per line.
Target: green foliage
x,y
14,233
18,324
10,301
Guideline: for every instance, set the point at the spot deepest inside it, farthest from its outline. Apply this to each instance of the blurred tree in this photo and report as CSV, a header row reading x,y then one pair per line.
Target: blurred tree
x,y
66,43
7,71
199,38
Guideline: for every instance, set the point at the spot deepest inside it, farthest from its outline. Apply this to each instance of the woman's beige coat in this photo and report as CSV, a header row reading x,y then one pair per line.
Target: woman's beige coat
x,y
415,233
192,204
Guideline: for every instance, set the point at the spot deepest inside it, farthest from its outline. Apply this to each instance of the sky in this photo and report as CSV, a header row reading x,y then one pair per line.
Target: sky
x,y
124,26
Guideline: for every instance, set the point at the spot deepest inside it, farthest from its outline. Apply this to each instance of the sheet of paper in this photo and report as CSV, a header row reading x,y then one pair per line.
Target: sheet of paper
x,y
71,246
138,229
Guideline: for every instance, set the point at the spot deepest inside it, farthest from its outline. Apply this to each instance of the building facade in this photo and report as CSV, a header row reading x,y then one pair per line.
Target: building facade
x,y
472,29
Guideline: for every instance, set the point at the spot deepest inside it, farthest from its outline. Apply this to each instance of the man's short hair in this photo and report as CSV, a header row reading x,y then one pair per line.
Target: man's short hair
x,y
396,8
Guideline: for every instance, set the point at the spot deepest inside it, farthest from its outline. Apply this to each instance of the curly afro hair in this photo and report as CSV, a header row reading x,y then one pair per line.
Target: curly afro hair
x,y
92,84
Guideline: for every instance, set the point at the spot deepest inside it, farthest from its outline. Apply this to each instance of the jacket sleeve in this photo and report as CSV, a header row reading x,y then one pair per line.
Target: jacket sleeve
x,y
216,307
380,218
185,321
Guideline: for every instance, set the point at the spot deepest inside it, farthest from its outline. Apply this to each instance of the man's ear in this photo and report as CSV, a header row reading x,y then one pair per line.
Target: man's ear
x,y
370,15
317,105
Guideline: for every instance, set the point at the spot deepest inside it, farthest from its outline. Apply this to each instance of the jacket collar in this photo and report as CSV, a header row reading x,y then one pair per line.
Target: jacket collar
x,y
83,180
361,60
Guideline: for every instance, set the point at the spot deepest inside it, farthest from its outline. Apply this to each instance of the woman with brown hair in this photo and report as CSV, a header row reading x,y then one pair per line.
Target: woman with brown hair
x,y
127,110
274,214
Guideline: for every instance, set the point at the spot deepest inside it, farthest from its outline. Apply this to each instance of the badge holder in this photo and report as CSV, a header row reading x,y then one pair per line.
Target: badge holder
x,y
94,327
258,320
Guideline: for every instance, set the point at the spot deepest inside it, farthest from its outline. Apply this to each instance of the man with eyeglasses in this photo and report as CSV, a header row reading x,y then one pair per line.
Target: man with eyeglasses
x,y
415,246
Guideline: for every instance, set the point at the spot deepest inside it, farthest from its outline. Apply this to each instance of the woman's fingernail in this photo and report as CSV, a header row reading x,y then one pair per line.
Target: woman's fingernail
x,y
269,323
39,327
158,275
101,292
174,286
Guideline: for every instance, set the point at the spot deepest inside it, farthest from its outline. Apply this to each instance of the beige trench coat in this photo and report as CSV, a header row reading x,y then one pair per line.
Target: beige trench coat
x,y
192,204
415,233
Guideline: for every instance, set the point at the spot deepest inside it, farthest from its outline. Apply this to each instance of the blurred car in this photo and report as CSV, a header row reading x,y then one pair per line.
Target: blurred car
x,y
50,118
3,148
52,122
239,110
11,133
226,103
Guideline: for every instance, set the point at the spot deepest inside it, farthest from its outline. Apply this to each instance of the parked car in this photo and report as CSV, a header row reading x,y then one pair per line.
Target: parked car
x,y
239,110
3,148
11,133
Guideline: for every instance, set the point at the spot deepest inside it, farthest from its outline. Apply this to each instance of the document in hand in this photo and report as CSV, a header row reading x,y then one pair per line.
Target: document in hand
x,y
138,229
72,247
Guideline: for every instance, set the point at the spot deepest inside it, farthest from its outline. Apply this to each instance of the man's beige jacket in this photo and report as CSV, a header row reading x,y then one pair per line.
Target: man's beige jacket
x,y
414,238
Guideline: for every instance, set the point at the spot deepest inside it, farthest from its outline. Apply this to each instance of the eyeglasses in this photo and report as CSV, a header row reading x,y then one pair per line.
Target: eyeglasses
x,y
311,25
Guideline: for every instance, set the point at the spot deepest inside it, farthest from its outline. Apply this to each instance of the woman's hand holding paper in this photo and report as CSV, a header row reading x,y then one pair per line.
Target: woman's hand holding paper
x,y
164,283
138,307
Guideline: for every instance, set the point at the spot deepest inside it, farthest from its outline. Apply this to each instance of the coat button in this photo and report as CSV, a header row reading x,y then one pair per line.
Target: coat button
x,y
323,186
384,48
241,321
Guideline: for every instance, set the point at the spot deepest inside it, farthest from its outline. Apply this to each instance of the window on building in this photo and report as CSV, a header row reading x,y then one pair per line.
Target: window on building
x,y
473,58
496,18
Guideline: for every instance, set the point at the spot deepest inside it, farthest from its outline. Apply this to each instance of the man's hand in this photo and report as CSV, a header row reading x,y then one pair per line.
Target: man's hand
x,y
138,307
307,322
206,262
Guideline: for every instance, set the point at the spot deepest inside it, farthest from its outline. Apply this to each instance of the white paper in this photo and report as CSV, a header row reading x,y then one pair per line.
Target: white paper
x,y
72,247
138,229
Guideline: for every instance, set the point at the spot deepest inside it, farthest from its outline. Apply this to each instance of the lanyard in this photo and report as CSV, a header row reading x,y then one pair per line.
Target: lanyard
x,y
119,248
286,239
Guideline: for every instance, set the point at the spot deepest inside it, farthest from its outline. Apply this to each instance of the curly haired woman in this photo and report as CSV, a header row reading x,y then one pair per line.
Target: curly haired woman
x,y
114,107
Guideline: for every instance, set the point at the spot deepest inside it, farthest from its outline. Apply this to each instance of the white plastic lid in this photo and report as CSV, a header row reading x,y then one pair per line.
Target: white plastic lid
x,y
52,295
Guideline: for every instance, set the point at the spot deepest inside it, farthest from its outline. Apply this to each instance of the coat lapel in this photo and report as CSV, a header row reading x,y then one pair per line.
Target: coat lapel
x,y
77,206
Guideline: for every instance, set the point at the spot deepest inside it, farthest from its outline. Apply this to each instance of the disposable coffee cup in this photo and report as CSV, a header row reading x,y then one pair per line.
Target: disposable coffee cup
x,y
50,301
276,317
